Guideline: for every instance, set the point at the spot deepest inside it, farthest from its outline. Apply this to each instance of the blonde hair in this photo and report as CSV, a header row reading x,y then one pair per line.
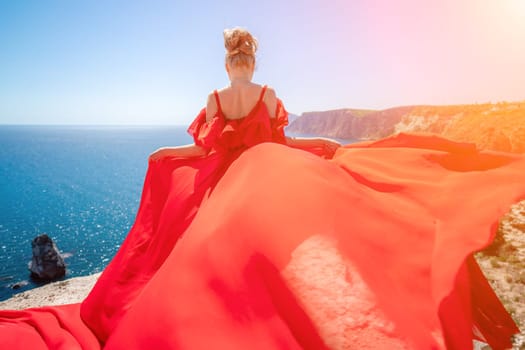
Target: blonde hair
x,y
240,47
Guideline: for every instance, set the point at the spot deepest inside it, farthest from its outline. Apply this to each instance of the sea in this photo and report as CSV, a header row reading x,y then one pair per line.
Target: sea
x,y
80,185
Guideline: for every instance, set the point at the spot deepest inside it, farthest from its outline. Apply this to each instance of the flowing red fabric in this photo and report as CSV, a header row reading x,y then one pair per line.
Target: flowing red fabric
x,y
263,246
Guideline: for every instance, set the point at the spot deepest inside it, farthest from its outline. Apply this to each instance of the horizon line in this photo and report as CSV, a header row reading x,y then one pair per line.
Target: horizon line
x,y
80,124
296,114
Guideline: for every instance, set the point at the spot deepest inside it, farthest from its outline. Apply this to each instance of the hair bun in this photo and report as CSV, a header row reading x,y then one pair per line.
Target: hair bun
x,y
239,40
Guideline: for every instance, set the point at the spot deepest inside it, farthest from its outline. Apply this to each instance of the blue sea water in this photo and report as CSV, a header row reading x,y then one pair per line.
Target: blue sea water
x,y
79,184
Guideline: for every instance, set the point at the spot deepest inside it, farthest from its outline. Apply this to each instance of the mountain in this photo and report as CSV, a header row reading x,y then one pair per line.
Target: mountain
x,y
499,126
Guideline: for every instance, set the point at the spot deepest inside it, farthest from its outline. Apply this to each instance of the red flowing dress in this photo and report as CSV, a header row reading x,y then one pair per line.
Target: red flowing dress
x,y
264,246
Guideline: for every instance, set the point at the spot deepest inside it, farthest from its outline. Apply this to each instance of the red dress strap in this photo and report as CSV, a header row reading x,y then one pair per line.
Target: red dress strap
x,y
219,109
263,90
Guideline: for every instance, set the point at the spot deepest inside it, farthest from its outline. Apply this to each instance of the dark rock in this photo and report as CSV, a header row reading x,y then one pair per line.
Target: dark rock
x,y
47,263
18,285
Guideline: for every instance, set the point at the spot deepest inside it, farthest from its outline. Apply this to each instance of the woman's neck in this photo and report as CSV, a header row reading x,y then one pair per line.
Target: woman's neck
x,y
240,76
240,80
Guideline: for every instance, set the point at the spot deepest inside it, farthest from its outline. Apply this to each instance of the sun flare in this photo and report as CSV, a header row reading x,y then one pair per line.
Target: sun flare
x,y
516,7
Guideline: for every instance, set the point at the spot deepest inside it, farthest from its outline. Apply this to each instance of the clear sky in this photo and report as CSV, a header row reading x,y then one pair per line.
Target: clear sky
x,y
154,62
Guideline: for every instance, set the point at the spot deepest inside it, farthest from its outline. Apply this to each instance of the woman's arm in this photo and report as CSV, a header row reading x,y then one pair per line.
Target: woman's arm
x,y
190,150
328,144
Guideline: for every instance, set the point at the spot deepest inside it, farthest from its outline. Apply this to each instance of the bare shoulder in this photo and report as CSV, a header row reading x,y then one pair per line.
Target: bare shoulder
x,y
270,93
211,107
223,91
270,99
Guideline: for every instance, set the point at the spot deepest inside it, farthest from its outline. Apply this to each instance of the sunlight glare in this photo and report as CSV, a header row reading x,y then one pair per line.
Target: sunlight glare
x,y
515,7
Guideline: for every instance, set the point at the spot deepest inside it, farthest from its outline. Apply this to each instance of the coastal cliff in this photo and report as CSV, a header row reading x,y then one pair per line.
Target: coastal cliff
x,y
494,126
350,124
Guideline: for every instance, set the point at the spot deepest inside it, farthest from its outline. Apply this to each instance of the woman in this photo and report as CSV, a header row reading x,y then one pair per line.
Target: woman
x,y
242,97
232,233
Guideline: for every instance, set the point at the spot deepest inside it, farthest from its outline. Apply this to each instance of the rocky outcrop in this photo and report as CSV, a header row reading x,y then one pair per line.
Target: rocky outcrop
x,y
47,263
503,263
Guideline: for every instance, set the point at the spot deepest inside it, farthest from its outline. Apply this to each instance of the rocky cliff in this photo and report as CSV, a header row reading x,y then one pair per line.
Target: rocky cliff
x,y
498,126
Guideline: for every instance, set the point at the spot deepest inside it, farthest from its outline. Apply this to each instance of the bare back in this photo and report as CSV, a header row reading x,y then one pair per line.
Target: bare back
x,y
236,102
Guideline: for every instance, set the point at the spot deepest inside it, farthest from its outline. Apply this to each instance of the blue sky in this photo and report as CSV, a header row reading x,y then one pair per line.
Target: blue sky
x,y
154,62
